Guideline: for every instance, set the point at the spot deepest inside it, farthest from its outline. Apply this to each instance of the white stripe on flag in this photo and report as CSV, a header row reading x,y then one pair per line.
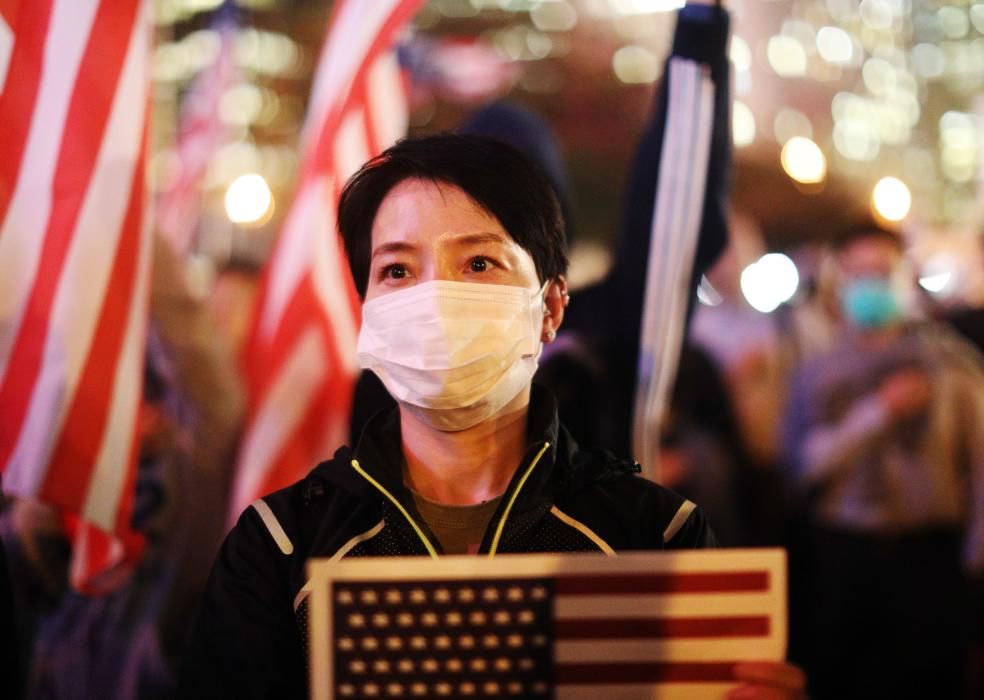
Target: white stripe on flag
x,y
328,276
667,691
351,148
279,416
387,106
288,264
6,50
21,236
576,607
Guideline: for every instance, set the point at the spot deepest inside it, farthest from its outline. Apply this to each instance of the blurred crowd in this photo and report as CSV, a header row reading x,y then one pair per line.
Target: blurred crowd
x,y
848,427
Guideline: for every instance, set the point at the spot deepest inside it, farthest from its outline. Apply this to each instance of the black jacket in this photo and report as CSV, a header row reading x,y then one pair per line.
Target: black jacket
x,y
251,636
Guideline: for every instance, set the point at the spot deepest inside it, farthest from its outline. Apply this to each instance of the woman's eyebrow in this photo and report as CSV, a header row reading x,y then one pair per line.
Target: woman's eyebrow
x,y
477,238
393,247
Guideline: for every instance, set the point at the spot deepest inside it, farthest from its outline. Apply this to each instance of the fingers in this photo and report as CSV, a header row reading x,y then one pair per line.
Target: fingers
x,y
768,681
778,674
759,692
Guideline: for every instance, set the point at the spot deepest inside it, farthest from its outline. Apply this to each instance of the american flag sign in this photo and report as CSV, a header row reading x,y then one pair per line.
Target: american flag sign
x,y
300,361
74,262
640,625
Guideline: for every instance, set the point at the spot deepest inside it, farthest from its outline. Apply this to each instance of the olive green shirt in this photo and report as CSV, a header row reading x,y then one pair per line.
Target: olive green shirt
x,y
459,529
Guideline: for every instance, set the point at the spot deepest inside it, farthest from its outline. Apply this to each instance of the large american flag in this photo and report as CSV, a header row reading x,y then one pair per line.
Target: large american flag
x,y
301,361
568,626
74,253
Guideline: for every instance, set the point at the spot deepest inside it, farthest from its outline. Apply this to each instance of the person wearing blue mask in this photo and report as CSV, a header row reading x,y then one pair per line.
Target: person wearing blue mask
x,y
885,437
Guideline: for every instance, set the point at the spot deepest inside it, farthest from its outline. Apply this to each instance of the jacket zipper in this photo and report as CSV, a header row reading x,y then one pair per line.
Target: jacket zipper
x,y
416,528
512,500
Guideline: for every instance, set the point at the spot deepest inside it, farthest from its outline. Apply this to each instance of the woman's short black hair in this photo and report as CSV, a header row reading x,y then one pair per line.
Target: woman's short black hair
x,y
500,179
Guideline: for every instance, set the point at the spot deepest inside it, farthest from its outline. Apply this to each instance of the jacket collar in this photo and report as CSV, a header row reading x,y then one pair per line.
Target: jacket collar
x,y
379,452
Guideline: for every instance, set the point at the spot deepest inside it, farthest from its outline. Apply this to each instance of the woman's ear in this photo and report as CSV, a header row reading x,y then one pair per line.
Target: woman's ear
x,y
555,299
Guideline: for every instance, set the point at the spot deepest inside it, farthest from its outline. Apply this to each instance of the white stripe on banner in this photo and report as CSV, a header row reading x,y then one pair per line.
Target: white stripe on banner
x,y
673,244
21,237
279,416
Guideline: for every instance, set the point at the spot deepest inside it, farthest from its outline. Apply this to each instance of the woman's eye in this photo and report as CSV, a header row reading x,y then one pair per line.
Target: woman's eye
x,y
395,272
479,264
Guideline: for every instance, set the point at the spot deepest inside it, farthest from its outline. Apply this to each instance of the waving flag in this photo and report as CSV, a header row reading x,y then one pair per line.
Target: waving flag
x,y
200,134
675,230
300,361
541,626
74,253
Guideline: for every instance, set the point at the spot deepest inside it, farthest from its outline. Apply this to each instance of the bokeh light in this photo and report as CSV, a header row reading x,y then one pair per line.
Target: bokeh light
x,y
891,199
803,160
248,199
786,56
742,124
769,282
835,45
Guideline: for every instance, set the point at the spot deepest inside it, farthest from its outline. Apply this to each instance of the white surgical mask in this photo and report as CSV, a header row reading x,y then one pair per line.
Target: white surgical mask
x,y
453,352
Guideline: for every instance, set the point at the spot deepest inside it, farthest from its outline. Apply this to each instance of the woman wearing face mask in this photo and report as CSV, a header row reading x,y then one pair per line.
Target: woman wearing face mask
x,y
456,245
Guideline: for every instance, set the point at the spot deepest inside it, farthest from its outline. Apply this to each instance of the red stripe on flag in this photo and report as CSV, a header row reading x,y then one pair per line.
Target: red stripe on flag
x,y
673,672
29,22
642,584
663,627
78,445
92,99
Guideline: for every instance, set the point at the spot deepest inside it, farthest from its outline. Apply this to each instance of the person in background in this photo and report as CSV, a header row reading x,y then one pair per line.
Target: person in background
x,y
703,456
885,437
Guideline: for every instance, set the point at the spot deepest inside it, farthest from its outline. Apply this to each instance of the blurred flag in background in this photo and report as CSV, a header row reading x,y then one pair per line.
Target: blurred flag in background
x,y
200,135
300,361
74,273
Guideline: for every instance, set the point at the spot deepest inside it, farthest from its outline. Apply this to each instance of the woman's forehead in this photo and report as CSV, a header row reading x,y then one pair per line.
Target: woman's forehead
x,y
426,211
